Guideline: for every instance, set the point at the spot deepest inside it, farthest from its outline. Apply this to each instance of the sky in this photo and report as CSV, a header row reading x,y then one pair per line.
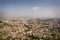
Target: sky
x,y
30,8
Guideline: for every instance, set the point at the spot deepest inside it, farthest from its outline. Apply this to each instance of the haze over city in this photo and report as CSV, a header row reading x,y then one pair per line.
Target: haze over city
x,y
30,8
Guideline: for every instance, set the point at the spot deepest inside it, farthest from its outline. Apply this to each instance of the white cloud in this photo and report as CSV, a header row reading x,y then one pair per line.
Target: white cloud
x,y
35,8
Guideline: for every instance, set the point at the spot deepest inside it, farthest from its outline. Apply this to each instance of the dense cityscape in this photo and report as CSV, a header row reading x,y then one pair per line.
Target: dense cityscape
x,y
30,29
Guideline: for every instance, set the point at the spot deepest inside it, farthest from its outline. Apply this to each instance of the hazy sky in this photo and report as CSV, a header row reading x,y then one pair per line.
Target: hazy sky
x,y
30,8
